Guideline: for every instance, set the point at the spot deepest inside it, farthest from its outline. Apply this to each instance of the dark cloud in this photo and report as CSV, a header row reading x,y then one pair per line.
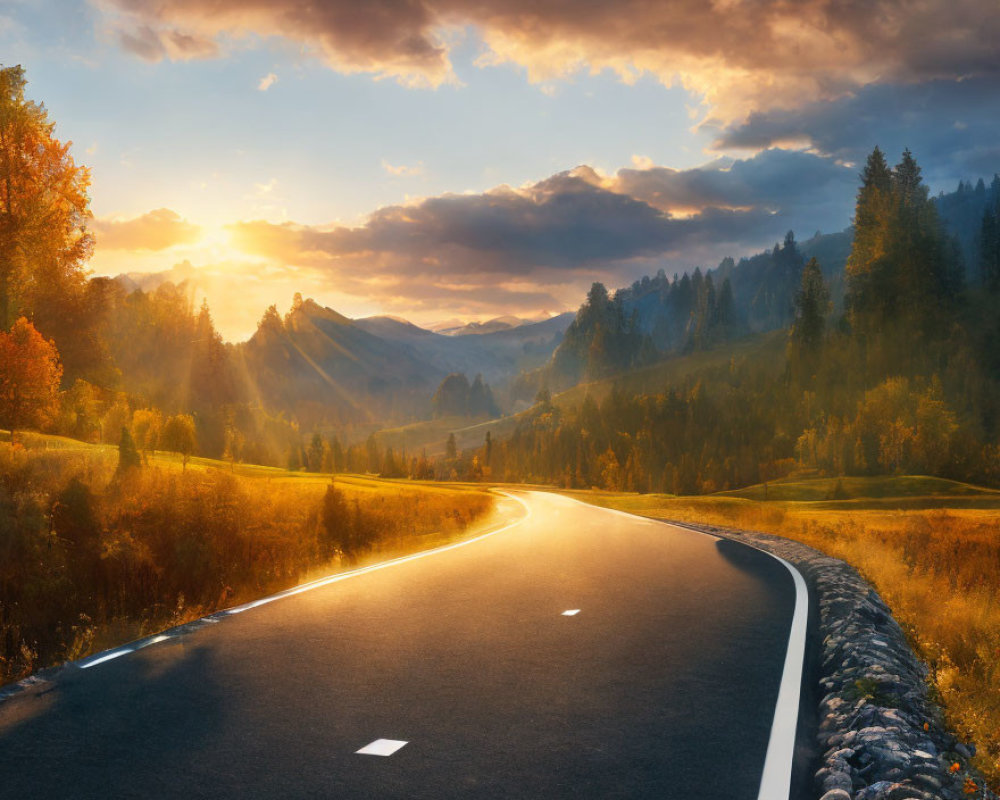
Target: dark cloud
x,y
575,223
949,125
742,56
814,189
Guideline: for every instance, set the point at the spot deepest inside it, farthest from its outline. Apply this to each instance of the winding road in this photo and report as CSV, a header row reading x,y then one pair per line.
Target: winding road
x,y
576,653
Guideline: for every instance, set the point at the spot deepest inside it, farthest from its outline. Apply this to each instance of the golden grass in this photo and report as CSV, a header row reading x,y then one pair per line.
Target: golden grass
x,y
89,560
938,569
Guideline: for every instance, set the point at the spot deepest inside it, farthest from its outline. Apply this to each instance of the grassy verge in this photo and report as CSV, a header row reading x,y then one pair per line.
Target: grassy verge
x,y
90,559
937,566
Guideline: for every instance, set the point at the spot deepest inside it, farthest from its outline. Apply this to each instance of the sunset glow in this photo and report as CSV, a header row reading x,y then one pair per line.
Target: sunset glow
x,y
270,148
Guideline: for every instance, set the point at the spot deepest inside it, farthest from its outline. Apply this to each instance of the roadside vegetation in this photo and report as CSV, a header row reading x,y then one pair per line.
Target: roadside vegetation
x,y
936,564
93,554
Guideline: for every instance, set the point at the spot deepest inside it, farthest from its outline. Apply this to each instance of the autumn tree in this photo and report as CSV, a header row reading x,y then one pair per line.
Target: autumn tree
x,y
29,377
44,242
146,426
179,437
234,444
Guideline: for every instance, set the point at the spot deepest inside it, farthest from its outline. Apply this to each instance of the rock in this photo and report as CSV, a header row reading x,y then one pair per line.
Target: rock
x,y
838,780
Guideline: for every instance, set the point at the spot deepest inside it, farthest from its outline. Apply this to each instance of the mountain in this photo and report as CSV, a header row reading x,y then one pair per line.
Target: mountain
x,y
322,368
498,355
456,328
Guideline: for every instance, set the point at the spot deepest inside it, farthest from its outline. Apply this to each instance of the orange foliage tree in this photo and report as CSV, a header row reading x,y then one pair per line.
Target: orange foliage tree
x,y
43,203
29,376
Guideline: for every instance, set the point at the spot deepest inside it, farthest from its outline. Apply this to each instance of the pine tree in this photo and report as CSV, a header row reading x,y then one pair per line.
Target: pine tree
x,y
128,455
871,215
812,304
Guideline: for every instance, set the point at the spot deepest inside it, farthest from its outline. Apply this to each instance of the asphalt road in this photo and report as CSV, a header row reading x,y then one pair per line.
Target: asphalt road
x,y
663,685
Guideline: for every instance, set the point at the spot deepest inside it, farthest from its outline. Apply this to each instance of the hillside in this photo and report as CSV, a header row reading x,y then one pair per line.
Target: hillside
x,y
324,369
671,372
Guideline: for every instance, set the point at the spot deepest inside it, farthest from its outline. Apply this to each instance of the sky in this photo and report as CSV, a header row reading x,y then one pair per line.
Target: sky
x,y
463,159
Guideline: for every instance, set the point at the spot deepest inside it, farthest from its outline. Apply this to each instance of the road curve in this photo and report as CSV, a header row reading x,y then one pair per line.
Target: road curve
x,y
662,685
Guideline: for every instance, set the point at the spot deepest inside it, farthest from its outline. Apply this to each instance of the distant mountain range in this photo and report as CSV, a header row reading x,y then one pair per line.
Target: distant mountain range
x,y
328,369
455,327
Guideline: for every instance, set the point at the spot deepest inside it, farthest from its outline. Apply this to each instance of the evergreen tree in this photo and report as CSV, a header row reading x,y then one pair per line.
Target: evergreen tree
x,y
128,455
989,243
812,304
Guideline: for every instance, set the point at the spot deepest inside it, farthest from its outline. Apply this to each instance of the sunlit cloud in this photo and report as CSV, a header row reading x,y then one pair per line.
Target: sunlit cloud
x,y
522,250
739,57
155,230
402,170
267,82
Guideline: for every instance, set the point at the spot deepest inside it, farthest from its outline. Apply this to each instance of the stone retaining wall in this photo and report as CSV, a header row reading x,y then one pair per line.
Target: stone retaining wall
x,y
880,737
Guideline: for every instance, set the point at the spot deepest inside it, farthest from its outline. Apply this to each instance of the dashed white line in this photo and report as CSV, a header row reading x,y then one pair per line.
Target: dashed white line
x,y
382,747
572,612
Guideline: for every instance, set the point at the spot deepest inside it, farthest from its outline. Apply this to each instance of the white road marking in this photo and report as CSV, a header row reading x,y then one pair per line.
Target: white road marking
x,y
382,747
571,612
776,782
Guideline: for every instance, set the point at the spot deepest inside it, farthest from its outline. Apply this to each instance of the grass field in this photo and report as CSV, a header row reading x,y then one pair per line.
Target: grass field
x,y
90,559
930,547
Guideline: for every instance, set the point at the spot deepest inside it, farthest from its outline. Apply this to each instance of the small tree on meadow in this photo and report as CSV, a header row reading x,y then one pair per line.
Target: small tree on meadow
x,y
147,424
179,437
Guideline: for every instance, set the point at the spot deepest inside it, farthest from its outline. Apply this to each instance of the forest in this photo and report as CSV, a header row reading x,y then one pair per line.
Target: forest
x,y
903,380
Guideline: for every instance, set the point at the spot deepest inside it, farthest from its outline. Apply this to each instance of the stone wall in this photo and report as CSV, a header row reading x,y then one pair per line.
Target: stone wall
x,y
880,736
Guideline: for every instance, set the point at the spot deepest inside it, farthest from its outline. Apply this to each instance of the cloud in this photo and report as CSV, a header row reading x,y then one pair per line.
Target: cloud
x,y
949,125
154,230
740,56
267,82
153,44
387,38
403,171
566,230
508,250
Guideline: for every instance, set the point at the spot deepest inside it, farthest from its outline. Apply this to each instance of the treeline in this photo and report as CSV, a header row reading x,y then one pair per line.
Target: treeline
x,y
657,317
91,553
457,397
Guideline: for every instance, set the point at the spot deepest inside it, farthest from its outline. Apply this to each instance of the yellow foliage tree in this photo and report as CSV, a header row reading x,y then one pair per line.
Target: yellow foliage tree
x,y
179,437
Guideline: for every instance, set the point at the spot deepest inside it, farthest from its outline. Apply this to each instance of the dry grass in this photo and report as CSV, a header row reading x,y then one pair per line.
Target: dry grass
x,y
89,560
938,569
